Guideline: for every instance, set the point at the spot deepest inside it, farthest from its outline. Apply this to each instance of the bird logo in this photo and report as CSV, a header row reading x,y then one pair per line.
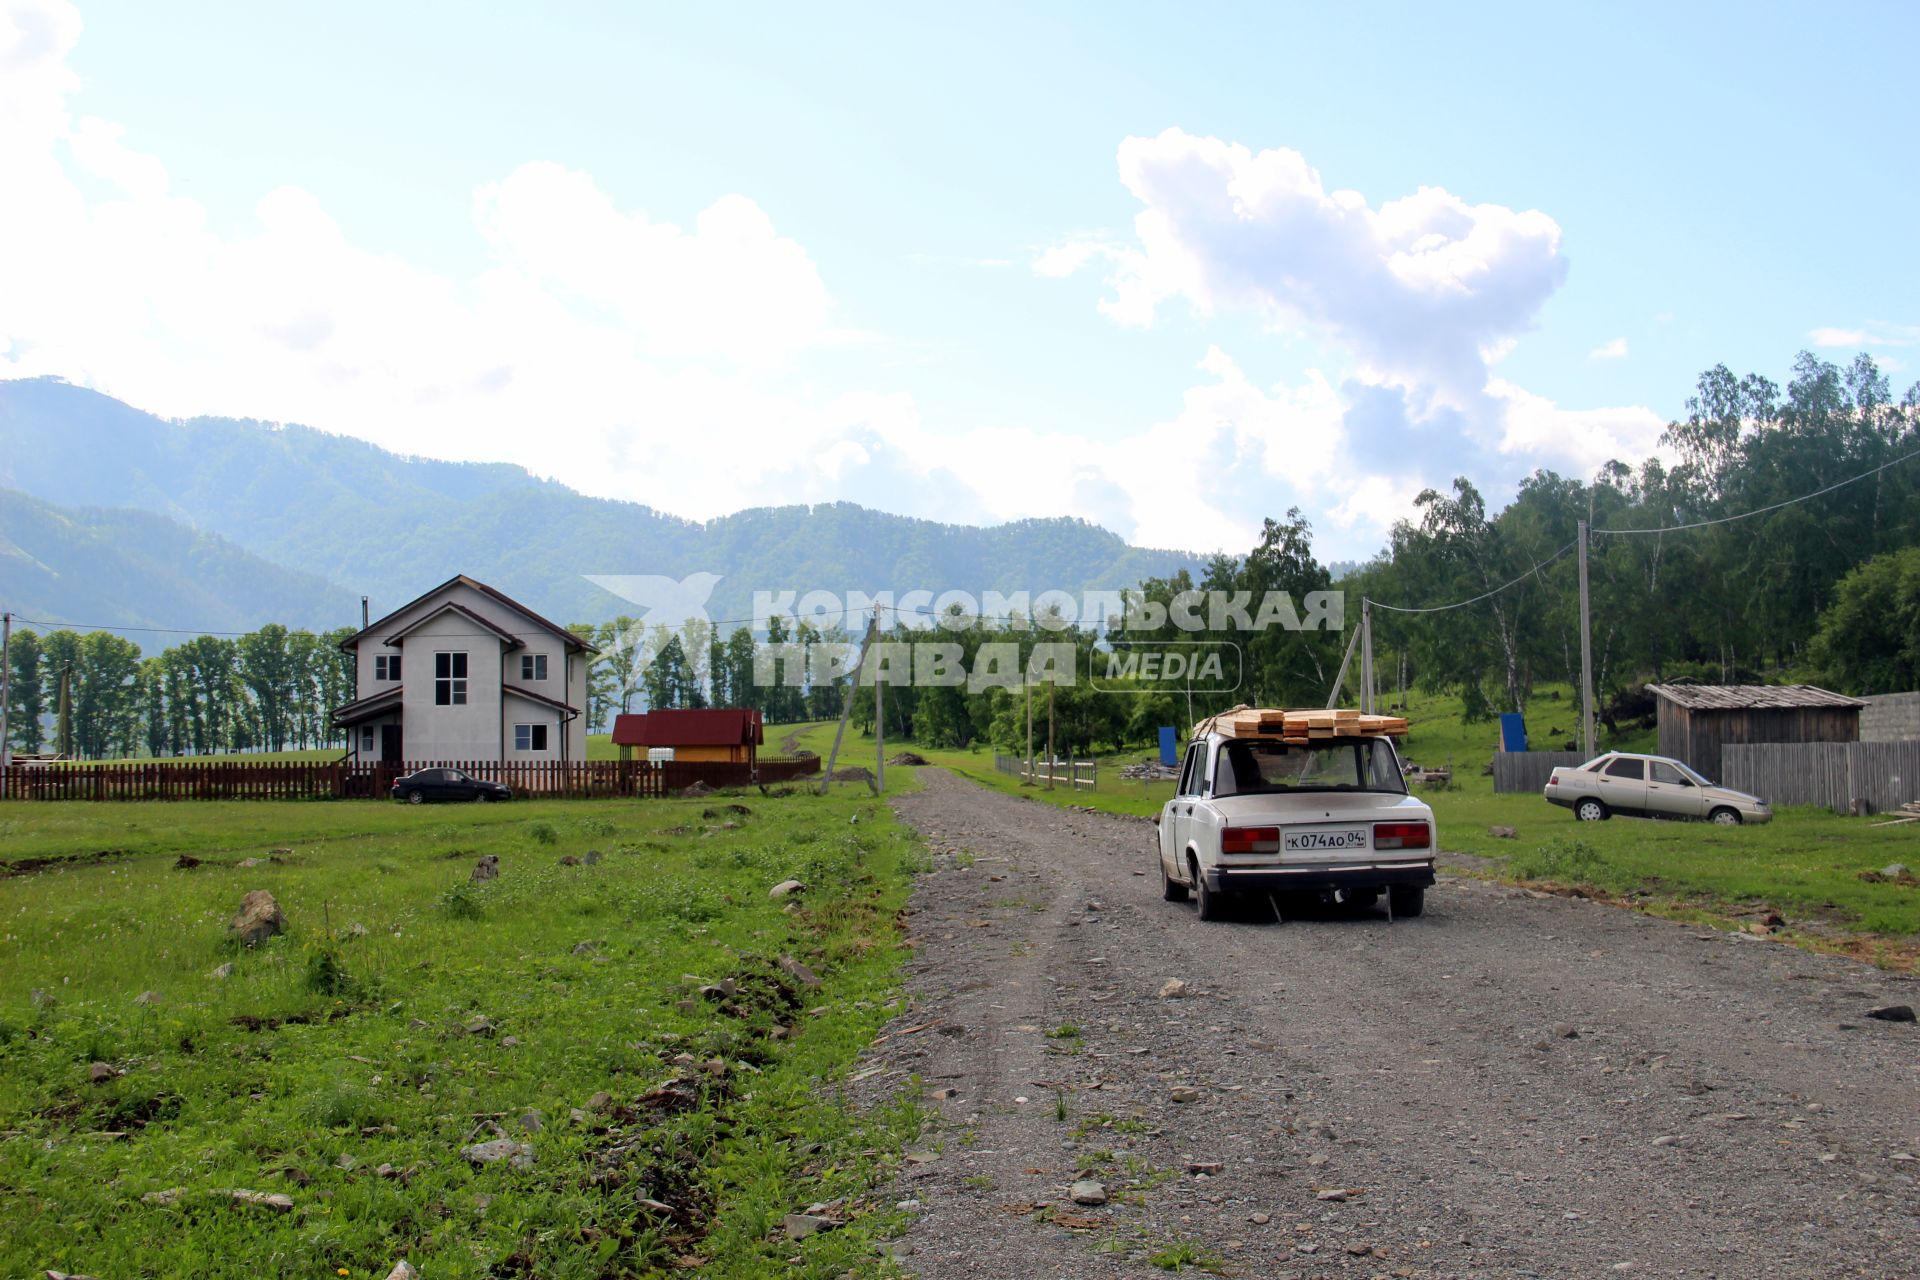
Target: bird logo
x,y
669,602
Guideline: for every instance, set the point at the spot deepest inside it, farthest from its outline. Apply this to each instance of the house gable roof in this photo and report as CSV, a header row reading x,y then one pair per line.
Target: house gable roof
x,y
1751,697
712,727
512,641
460,579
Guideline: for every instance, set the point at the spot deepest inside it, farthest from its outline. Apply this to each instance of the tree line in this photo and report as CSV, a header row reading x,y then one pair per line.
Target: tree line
x,y
1686,580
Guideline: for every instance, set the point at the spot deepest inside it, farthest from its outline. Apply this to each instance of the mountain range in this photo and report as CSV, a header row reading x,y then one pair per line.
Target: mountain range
x,y
112,516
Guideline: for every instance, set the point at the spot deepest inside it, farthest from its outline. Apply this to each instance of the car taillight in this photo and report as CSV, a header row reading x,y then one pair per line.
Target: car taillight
x,y
1247,839
1553,782
1401,835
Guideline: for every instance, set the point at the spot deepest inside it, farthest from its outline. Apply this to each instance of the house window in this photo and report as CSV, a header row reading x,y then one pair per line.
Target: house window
x,y
529,737
366,737
386,666
533,666
450,679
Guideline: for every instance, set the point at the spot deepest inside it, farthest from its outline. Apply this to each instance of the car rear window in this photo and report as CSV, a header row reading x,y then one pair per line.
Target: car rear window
x,y
1625,767
1245,767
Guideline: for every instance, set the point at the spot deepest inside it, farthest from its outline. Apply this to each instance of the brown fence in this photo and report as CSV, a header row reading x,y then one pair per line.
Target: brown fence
x,y
295,780
1882,775
1529,770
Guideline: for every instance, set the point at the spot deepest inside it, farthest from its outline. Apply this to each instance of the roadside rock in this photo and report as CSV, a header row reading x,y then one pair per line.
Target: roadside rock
x,y
1184,1093
799,1226
1173,989
517,1154
257,920
488,868
1087,1191
1892,1012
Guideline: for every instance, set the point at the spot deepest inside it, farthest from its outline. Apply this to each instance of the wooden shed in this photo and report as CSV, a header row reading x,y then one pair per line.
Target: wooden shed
x,y
1696,720
730,735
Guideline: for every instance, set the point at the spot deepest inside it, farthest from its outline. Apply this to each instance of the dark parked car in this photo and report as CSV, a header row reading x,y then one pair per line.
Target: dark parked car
x,y
446,784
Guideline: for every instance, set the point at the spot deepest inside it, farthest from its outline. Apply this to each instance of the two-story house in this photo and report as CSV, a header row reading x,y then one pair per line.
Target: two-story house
x,y
467,673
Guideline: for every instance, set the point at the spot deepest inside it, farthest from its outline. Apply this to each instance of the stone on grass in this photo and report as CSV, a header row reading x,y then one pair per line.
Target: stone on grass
x,y
1503,833
147,997
488,868
797,971
257,920
403,1270
164,1198
185,862
100,1073
799,1226
786,887
1087,1191
517,1154
592,858
277,1201
224,971
570,860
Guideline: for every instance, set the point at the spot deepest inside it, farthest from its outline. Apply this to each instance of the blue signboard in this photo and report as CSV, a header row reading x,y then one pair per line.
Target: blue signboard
x,y
1166,746
1513,731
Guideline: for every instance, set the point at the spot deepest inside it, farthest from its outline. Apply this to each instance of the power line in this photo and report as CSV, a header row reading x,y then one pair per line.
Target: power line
x,y
1760,511
1485,595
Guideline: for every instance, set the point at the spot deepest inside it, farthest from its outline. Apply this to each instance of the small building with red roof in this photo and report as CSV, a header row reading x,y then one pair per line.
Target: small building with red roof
x,y
730,735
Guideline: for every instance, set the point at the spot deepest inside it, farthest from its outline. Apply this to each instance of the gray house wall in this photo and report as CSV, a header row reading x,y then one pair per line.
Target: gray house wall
x,y
1890,717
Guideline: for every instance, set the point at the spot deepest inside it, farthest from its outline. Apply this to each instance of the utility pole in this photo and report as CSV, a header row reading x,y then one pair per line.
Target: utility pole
x,y
1026,687
846,702
1366,655
1050,755
6,698
1340,676
64,728
1586,652
879,728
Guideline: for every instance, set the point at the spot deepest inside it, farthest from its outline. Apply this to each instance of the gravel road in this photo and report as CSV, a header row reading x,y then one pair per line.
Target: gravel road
x,y
1508,1086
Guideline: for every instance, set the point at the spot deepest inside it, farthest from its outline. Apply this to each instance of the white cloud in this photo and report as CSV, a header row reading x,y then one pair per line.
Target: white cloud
x,y
1891,335
1427,291
1574,441
1615,350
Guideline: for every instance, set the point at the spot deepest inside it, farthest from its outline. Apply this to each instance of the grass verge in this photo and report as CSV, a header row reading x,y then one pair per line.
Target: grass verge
x,y
408,1013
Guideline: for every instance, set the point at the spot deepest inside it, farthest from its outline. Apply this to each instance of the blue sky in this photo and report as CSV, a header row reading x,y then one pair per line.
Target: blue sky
x,y
868,253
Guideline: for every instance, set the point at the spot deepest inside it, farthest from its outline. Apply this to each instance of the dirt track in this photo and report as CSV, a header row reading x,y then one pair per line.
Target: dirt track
x,y
1508,1086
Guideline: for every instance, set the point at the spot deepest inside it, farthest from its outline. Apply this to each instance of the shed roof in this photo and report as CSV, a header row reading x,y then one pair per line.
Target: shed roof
x,y
712,727
1751,697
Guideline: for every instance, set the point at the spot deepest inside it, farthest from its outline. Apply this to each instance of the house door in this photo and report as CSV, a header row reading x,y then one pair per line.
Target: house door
x,y
389,744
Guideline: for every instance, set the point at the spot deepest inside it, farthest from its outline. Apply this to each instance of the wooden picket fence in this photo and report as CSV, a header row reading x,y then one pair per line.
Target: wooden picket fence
x,y
1881,776
1529,770
342,780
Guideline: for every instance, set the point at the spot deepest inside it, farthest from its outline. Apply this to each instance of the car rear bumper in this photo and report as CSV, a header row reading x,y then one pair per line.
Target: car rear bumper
x,y
1554,796
1314,877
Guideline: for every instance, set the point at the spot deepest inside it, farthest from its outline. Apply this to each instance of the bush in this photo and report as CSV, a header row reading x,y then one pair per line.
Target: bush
x,y
543,832
1563,859
462,902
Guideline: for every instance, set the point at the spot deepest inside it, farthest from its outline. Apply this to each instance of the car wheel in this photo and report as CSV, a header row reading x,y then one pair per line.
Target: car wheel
x,y
1407,900
1210,903
481,797
1590,811
1170,889
416,797
1724,817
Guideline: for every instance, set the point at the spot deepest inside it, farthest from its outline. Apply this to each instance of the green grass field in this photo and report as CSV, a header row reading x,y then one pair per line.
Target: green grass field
x,y
407,1012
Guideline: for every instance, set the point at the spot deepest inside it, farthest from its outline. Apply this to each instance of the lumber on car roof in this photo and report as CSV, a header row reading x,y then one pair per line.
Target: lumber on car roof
x,y
1300,728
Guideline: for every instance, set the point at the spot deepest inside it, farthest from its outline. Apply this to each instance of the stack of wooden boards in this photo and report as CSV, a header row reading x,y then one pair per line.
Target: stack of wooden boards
x,y
1299,728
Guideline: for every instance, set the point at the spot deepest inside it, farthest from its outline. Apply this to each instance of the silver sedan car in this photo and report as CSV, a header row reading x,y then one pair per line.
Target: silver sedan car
x,y
1649,787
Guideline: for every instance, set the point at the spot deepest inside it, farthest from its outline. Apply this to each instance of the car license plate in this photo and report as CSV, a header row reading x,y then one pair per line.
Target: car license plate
x,y
1326,840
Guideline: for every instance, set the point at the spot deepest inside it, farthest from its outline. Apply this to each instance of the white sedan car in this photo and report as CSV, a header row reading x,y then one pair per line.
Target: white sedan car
x,y
1329,818
1649,787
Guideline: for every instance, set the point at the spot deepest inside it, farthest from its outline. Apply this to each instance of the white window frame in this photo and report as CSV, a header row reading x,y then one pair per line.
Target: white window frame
x,y
530,737
450,690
